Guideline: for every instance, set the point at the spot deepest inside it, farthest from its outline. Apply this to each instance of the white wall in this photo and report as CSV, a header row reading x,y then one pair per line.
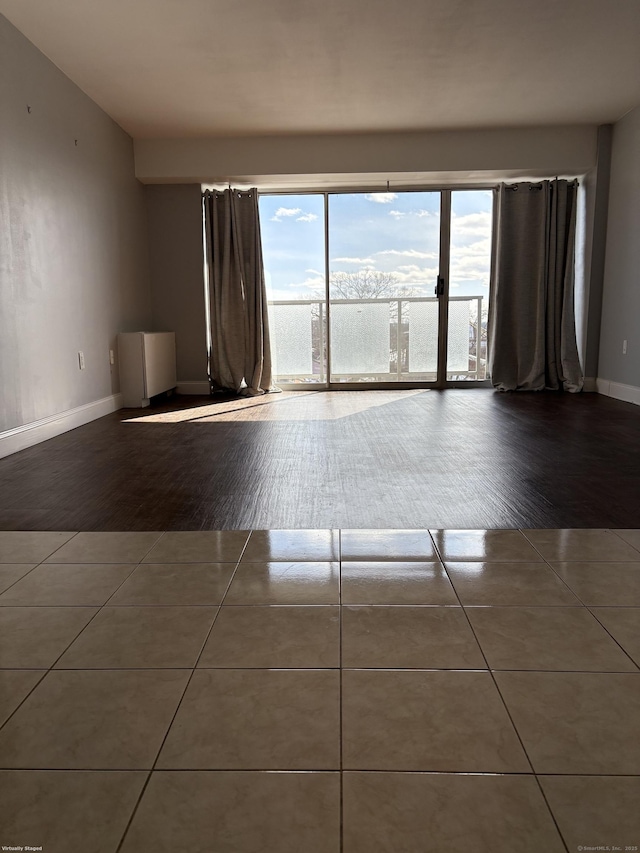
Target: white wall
x,y
177,280
318,161
469,154
591,255
621,296
73,243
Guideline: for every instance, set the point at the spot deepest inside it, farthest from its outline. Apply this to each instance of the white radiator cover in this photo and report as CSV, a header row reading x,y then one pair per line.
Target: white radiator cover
x,y
147,363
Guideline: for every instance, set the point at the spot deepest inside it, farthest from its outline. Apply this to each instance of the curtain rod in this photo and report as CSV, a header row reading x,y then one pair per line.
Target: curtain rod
x,y
535,187
218,192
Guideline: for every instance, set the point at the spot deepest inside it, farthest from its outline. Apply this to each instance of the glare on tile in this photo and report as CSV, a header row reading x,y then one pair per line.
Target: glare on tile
x,y
315,545
490,545
582,545
285,583
392,582
386,545
198,546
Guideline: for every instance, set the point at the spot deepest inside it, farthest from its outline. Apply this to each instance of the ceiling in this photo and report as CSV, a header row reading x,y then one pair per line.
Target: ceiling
x,y
185,68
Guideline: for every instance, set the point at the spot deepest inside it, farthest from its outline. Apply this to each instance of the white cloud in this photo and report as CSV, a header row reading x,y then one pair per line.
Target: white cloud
x,y
353,260
409,268
424,276
409,253
285,211
471,224
472,263
398,214
312,283
381,198
315,272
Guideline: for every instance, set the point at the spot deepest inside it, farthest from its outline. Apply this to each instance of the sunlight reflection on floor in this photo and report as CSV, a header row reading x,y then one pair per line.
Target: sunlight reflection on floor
x,y
287,406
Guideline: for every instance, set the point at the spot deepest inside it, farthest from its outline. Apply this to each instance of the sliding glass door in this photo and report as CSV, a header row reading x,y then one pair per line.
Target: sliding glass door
x,y
384,259
293,246
376,288
469,277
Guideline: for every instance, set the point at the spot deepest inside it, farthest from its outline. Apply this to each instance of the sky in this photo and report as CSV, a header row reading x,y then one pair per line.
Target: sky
x,y
390,232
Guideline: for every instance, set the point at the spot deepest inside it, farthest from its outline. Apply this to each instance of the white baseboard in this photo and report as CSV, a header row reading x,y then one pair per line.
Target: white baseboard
x,y
590,384
196,386
619,391
19,438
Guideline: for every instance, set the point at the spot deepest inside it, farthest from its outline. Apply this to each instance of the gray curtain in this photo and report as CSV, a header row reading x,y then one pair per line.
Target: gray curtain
x,y
532,334
240,355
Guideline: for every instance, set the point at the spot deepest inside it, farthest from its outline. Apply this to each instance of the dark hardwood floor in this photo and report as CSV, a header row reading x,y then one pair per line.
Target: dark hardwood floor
x,y
470,458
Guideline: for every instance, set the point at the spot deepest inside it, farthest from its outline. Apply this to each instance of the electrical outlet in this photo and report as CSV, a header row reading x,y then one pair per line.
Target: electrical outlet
x,y
624,347
81,360
112,357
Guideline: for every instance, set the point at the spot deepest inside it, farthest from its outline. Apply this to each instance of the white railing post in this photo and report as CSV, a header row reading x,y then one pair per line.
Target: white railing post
x,y
321,320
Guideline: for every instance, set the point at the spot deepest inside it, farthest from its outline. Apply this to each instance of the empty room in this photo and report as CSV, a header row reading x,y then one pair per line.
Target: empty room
x,y
320,426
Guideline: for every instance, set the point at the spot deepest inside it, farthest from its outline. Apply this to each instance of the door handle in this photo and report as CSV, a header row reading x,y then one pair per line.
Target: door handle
x,y
439,291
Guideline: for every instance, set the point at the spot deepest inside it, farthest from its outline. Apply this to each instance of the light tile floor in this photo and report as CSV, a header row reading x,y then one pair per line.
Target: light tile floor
x,y
320,691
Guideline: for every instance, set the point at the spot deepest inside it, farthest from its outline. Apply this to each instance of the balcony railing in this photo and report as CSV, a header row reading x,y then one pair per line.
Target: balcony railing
x,y
376,340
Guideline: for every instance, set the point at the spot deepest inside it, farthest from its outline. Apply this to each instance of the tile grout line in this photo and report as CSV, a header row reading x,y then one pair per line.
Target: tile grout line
x,y
44,670
363,770
22,577
614,531
488,668
347,604
553,817
341,668
561,837
55,550
587,606
50,669
533,772
175,713
590,608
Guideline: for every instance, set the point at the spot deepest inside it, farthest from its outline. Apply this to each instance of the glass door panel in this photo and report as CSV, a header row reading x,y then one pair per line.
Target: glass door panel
x,y
378,297
292,228
384,260
422,320
359,339
469,273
